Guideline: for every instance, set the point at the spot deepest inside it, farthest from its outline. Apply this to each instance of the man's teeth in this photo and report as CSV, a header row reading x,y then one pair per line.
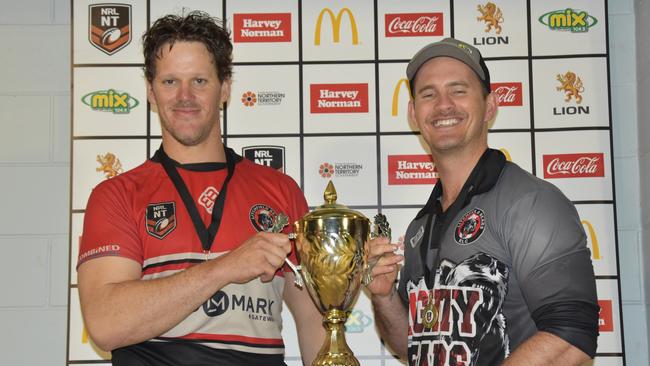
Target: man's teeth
x,y
446,122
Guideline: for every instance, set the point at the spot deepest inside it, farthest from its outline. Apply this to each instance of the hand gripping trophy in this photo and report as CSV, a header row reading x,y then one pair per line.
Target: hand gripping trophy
x,y
331,245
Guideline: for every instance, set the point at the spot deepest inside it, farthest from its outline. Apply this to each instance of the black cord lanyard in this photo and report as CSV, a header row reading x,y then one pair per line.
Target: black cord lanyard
x,y
206,235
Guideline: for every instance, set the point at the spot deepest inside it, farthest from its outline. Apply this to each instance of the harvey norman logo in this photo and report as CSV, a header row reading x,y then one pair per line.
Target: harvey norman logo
x,y
583,165
339,98
262,27
335,20
413,24
509,94
411,169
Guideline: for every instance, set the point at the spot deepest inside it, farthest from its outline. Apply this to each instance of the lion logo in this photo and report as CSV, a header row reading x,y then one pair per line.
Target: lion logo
x,y
571,85
491,15
109,164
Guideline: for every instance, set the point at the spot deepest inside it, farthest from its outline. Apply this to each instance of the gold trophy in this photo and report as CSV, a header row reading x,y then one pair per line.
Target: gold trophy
x,y
331,245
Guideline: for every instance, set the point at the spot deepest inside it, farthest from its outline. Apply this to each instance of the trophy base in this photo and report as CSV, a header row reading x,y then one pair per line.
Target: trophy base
x,y
335,350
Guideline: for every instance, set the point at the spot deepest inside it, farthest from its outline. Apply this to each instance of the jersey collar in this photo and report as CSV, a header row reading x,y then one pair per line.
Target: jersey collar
x,y
482,178
200,167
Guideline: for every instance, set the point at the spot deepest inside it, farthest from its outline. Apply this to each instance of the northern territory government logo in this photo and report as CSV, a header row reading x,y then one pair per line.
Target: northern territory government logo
x,y
109,27
573,20
110,101
262,217
161,219
470,227
271,156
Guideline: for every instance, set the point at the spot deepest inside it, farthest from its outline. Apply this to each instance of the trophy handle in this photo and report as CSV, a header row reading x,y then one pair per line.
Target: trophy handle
x,y
280,222
297,269
381,228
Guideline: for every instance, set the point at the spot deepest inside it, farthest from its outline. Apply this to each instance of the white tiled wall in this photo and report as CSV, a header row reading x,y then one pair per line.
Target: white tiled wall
x,y
34,180
34,174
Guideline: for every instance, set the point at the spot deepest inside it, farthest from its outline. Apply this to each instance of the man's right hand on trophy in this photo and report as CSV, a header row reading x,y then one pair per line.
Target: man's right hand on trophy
x,y
261,256
384,264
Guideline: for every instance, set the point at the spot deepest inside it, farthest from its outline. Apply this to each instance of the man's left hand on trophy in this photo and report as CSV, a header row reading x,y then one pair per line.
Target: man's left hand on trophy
x,y
383,259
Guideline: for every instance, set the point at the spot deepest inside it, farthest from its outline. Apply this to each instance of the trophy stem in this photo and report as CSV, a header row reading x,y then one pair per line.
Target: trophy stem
x,y
335,351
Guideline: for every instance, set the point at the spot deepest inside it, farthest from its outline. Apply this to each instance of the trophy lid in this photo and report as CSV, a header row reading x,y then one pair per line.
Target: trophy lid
x,y
331,209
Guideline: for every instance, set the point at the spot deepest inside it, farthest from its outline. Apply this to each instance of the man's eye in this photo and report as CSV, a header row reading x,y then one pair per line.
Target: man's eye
x,y
201,81
168,82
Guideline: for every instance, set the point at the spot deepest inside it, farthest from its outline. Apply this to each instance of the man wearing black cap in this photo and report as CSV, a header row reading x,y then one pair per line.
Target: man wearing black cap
x,y
496,267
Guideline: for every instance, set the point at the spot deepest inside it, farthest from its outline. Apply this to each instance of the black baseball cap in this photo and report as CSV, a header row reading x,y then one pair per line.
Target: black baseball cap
x,y
450,47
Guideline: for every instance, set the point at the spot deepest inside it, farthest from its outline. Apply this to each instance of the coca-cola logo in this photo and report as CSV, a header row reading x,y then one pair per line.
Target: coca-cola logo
x,y
414,24
605,316
574,165
509,94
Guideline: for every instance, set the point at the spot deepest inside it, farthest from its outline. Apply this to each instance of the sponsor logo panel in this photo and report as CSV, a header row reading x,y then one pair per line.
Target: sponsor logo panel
x,y
262,27
110,100
605,316
109,28
394,110
411,169
109,165
509,94
414,25
492,16
262,98
335,21
338,170
572,20
582,165
271,156
339,98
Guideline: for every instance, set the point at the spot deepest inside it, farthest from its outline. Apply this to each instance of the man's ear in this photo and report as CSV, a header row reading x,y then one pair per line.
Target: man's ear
x,y
151,97
491,107
411,115
225,91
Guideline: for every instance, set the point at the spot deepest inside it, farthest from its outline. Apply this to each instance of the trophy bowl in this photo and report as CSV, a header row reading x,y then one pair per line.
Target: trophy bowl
x,y
331,246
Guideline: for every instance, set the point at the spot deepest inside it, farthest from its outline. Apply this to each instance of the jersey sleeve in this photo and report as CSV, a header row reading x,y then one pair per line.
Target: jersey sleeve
x,y
553,265
549,249
109,226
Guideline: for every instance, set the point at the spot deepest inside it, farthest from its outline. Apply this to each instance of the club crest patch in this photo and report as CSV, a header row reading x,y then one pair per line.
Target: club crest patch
x,y
470,227
262,217
161,219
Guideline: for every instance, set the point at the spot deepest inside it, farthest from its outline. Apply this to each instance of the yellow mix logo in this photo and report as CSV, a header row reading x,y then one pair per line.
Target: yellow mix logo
x,y
335,20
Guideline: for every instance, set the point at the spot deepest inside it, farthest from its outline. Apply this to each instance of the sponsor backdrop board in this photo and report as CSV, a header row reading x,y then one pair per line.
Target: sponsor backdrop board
x,y
319,93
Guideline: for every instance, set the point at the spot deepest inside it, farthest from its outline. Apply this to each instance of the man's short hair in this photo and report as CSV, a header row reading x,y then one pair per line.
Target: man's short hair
x,y
196,26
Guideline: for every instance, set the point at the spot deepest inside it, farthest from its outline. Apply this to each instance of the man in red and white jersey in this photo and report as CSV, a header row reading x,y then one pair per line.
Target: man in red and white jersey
x,y
180,262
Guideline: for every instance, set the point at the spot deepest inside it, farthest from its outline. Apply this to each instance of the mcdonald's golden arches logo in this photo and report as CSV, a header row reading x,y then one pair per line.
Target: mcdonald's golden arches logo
x,y
396,92
336,25
591,233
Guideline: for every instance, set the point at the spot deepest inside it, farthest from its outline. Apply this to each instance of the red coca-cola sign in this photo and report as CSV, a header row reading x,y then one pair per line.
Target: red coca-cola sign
x,y
413,24
584,165
509,94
